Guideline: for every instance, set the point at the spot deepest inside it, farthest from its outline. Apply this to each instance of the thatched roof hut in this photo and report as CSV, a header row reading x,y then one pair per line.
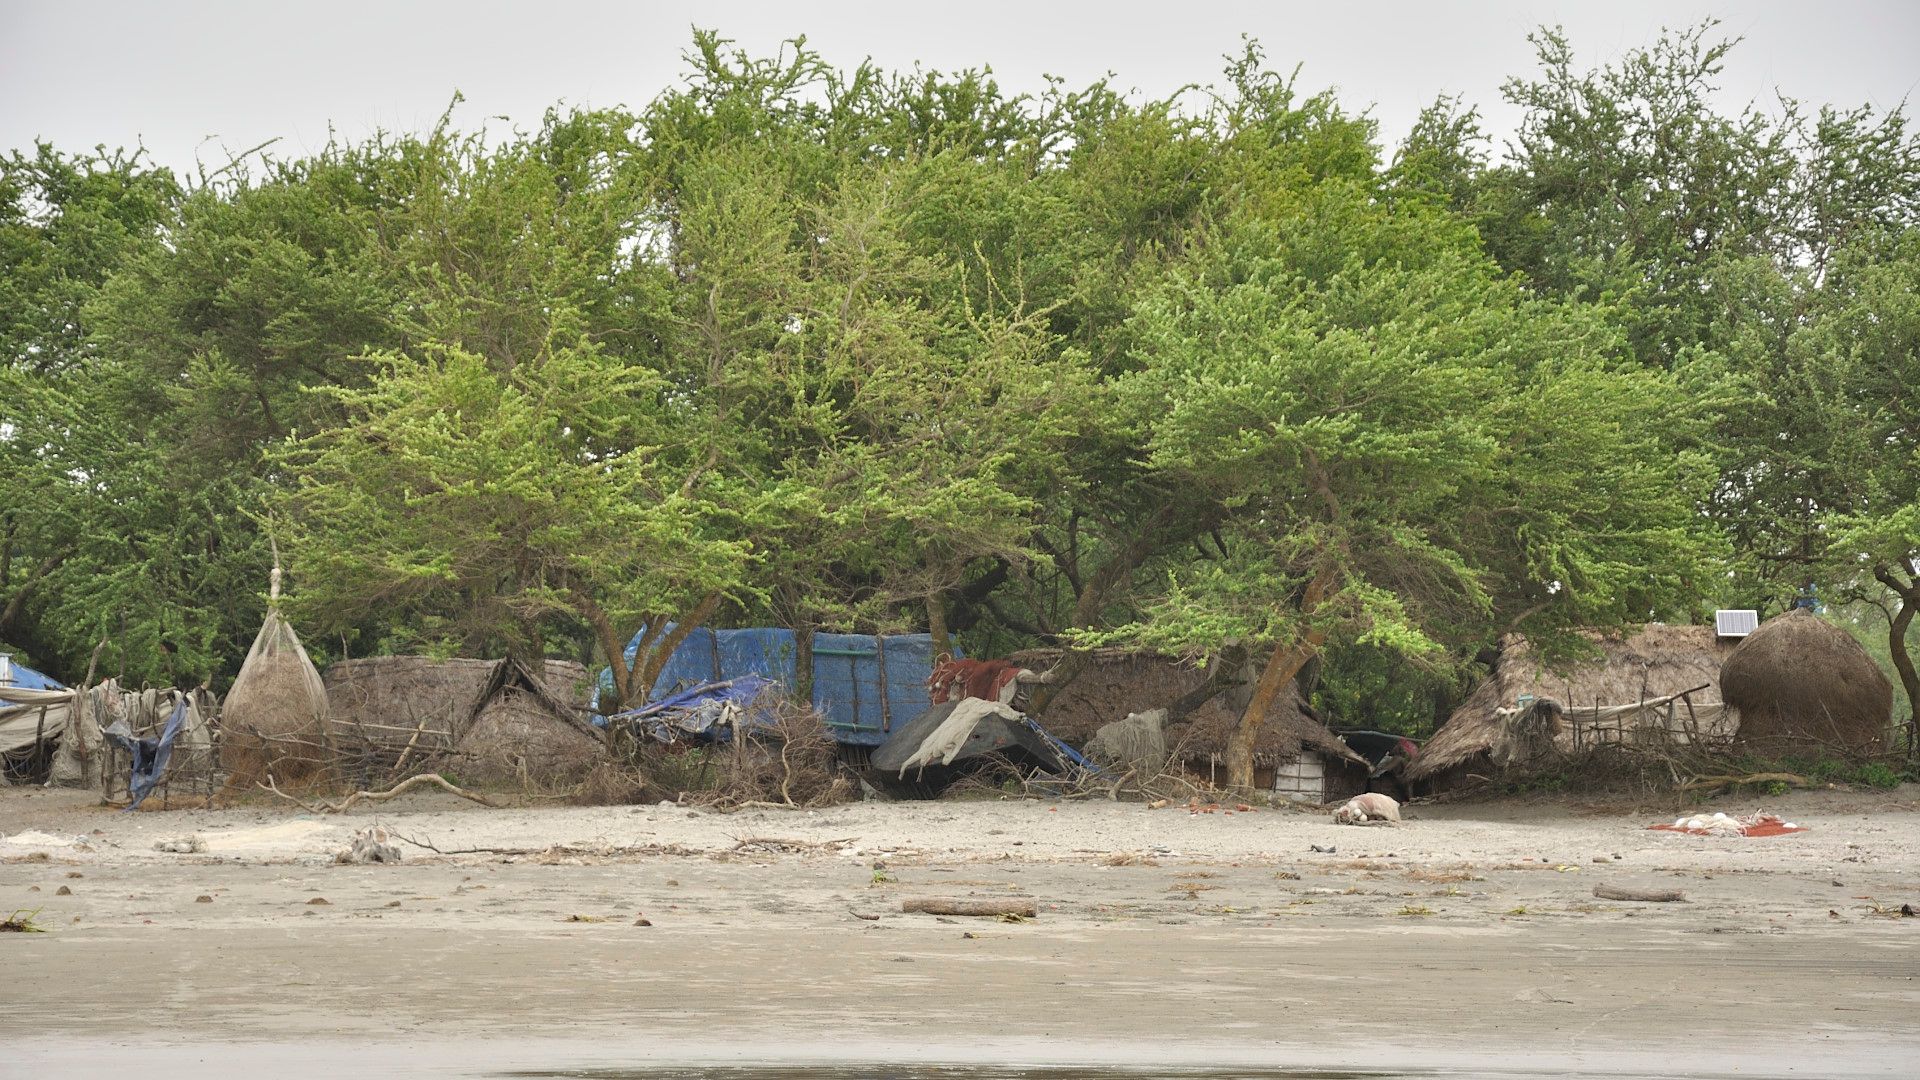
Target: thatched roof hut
x,y
1625,694
494,717
1802,684
1116,682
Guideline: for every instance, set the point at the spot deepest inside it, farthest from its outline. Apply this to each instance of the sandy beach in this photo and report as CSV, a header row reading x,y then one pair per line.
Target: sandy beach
x,y
1465,941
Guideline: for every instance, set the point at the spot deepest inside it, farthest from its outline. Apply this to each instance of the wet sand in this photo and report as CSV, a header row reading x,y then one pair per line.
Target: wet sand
x,y
1466,940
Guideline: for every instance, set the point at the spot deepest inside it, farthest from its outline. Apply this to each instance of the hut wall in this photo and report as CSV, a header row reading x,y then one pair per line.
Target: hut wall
x,y
1303,779
1599,701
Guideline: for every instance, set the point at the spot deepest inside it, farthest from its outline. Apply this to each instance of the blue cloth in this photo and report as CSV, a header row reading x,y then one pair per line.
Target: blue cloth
x,y
150,756
849,673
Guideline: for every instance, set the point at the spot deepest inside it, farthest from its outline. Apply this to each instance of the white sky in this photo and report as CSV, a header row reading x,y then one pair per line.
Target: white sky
x,y
187,78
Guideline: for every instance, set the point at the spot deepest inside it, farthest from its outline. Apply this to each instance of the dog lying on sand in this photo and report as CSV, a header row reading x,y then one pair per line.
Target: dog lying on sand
x,y
1367,809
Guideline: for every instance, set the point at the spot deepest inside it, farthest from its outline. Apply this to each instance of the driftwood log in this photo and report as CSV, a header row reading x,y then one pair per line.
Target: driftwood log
x,y
1650,896
1024,909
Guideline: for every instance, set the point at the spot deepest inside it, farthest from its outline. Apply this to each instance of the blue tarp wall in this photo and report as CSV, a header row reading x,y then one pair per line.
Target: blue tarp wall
x,y
865,685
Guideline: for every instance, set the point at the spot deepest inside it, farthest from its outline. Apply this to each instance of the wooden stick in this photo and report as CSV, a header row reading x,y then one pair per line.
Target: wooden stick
x,y
302,803
381,796
420,729
1650,896
400,765
1025,909
1708,782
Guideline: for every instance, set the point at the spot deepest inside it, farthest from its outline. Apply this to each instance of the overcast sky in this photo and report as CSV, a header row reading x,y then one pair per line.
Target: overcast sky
x,y
186,78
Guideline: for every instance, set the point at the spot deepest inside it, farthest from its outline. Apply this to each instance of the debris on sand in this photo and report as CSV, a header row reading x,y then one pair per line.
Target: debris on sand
x,y
1721,824
371,845
21,922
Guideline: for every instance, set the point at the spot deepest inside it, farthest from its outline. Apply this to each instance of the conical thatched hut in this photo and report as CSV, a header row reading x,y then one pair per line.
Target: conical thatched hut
x,y
1656,684
1804,685
487,720
1295,754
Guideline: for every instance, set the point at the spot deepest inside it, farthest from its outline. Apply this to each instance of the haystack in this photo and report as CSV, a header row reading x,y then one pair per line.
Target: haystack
x,y
1804,685
1119,682
1525,707
274,721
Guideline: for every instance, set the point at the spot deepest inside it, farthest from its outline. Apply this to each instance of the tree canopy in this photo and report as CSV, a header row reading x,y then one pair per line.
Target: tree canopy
x,y
874,350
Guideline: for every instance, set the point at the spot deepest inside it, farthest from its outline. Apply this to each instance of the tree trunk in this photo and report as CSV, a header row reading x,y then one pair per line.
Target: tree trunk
x,y
653,661
937,624
610,643
1909,593
1903,663
1287,660
803,665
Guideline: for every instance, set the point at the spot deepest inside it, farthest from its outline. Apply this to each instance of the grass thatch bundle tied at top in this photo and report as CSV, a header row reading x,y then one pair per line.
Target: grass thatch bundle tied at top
x,y
274,721
1803,685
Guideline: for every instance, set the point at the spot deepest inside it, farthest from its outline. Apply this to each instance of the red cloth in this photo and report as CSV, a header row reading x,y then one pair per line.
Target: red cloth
x,y
955,679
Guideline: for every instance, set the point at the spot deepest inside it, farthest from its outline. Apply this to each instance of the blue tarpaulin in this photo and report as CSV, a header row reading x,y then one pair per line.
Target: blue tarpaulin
x,y
708,713
864,685
150,756
14,674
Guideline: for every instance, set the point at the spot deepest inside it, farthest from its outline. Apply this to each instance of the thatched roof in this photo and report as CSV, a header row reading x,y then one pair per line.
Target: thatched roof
x,y
1804,684
379,703
1652,662
1116,682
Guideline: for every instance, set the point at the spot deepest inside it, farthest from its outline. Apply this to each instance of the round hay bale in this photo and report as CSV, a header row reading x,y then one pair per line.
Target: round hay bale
x,y
275,718
1803,685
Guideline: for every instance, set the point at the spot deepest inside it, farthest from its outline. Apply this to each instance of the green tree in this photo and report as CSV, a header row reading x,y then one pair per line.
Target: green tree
x,y
1403,445
1852,372
72,467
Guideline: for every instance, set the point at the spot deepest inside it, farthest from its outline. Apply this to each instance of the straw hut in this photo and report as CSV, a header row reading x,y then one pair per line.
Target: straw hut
x,y
489,720
1295,754
1657,684
1804,685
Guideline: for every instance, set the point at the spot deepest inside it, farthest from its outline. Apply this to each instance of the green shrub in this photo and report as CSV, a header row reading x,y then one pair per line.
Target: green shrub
x,y
1875,774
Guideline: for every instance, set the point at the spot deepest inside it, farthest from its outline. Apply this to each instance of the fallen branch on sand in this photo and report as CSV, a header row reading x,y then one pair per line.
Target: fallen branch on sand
x,y
1715,783
1025,909
1650,896
378,796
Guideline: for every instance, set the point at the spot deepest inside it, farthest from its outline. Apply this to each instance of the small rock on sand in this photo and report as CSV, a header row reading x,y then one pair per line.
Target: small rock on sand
x,y
63,891
319,900
203,899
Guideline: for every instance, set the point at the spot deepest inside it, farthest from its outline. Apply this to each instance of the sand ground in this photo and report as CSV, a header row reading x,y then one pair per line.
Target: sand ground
x,y
1464,939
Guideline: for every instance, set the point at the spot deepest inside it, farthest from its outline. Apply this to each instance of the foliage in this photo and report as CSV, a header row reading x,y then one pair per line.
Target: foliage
x,y
861,349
